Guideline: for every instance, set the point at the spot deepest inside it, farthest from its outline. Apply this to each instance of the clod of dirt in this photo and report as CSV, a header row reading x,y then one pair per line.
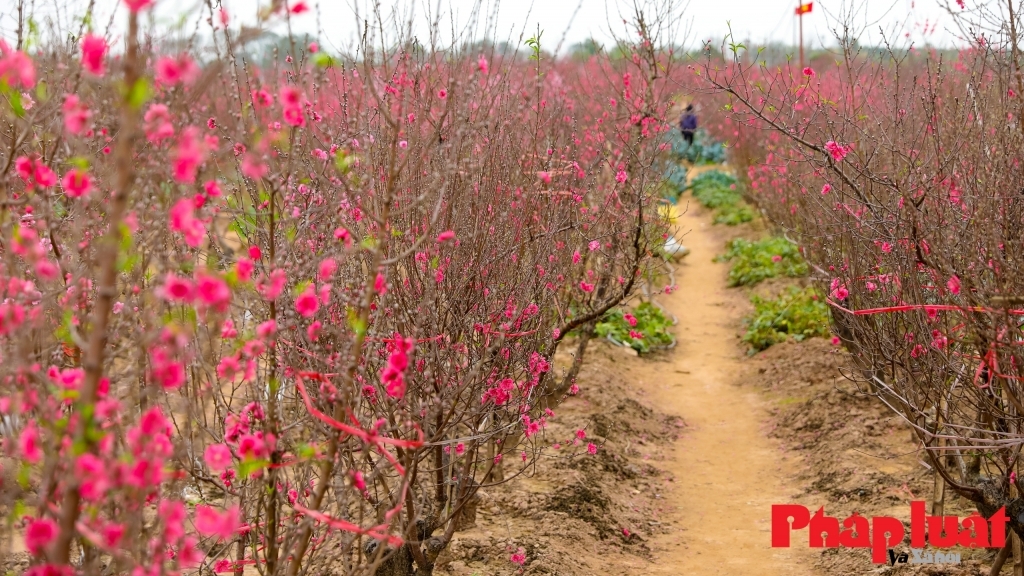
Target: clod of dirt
x,y
584,503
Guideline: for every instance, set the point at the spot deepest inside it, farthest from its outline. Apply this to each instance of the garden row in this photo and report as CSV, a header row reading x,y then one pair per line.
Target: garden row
x,y
294,316
796,312
897,172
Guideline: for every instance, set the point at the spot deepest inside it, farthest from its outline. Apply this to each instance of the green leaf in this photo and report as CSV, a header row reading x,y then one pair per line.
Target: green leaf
x,y
139,93
250,466
33,35
15,97
94,435
300,287
63,332
24,477
59,210
182,315
61,425
18,511
127,262
357,324
79,447
243,224
534,44
343,161
322,60
190,317
126,237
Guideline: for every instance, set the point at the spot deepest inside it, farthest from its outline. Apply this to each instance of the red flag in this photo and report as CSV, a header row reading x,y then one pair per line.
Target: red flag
x,y
804,8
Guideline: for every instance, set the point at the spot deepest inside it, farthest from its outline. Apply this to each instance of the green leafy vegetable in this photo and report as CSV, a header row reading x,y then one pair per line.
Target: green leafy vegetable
x,y
797,313
651,324
753,262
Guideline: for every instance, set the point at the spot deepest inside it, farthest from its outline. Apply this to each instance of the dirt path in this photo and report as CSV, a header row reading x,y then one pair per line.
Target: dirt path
x,y
727,471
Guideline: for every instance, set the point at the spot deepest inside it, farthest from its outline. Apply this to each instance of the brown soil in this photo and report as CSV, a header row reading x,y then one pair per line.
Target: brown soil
x,y
570,514
858,456
783,426
699,504
728,471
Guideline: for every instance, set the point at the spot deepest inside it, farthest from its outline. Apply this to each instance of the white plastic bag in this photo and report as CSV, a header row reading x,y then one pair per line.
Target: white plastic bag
x,y
674,249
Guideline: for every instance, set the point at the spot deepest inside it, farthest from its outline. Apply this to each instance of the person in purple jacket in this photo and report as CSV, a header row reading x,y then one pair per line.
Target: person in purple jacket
x,y
688,124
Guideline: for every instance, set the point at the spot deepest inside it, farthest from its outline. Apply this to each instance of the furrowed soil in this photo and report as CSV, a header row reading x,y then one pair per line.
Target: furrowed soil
x,y
696,444
687,471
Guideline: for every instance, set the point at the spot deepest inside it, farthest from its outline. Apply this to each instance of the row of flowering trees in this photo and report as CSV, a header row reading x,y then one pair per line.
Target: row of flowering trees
x,y
292,318
898,172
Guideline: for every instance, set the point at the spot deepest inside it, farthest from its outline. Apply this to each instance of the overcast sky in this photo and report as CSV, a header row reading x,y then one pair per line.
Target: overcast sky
x,y
755,20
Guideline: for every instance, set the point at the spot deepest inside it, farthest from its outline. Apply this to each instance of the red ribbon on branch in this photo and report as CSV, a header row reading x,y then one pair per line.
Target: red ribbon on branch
x,y
369,437
376,532
925,307
988,367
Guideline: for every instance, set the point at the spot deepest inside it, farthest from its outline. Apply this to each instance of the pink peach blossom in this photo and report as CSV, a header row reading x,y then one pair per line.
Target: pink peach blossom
x,y
39,534
94,51
77,183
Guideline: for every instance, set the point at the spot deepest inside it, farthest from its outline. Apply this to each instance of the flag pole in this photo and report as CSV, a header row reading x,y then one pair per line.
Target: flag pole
x,y
801,12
